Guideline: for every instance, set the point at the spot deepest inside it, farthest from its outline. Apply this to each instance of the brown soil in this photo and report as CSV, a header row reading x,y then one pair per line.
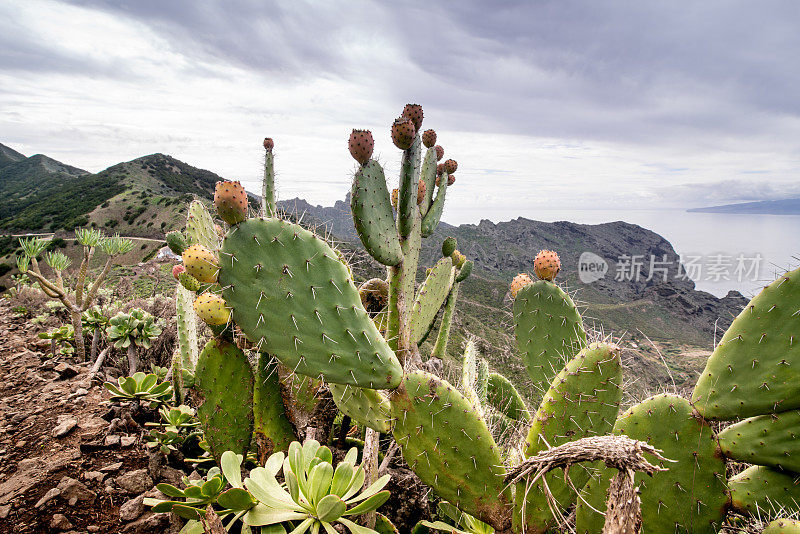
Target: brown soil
x,y
33,399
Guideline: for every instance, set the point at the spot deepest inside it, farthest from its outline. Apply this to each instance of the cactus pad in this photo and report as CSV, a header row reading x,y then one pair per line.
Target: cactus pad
x,y
434,213
186,324
293,298
200,227
368,407
783,526
691,495
272,430
772,440
582,401
504,397
760,489
754,370
372,214
548,328
448,446
430,298
224,383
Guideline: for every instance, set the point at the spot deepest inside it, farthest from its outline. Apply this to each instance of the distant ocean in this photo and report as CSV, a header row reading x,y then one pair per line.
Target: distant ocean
x,y
722,251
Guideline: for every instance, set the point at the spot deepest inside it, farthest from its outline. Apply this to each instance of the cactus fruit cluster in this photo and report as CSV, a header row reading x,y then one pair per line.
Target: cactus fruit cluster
x,y
273,287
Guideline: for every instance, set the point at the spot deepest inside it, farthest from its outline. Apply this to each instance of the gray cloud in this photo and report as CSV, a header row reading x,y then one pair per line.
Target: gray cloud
x,y
668,92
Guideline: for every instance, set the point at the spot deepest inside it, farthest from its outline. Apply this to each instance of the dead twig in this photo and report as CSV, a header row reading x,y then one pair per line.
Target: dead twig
x,y
623,509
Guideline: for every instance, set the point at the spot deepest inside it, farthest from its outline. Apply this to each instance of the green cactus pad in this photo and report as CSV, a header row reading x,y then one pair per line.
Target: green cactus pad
x,y
469,376
176,242
759,489
548,329
200,227
783,526
772,440
409,181
368,407
430,298
186,323
272,429
224,383
464,272
293,298
504,397
482,380
448,446
428,176
690,496
372,214
582,401
434,213
754,370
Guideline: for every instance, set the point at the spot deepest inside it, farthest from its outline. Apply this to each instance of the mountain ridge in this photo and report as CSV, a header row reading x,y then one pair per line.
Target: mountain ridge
x,y
787,206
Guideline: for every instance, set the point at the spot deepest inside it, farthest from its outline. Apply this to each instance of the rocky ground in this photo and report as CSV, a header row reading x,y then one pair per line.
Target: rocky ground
x,y
68,461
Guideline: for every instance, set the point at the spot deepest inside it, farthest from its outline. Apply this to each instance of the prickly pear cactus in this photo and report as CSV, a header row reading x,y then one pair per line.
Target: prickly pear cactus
x,y
504,397
548,329
272,430
430,297
372,214
758,490
783,526
200,227
293,298
582,401
752,371
772,440
690,496
368,407
224,385
186,323
448,446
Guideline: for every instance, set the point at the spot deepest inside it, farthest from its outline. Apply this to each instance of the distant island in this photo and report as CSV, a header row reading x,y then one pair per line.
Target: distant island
x,y
789,206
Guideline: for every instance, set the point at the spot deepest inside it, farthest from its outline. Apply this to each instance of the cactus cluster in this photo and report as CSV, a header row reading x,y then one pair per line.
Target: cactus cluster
x,y
271,286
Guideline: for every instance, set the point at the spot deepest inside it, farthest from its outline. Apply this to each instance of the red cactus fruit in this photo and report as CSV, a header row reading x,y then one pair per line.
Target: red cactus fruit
x,y
429,138
230,199
269,144
451,179
440,169
403,133
450,166
439,152
414,112
178,269
361,145
519,281
421,188
546,265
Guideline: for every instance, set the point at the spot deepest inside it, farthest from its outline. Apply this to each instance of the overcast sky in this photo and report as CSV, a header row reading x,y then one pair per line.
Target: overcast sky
x,y
548,104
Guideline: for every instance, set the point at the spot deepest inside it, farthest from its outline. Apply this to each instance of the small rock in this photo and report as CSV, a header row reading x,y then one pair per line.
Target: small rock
x,y
94,476
4,511
18,418
148,523
127,441
21,444
60,522
173,476
135,482
51,494
64,427
80,392
93,528
73,491
111,467
111,441
132,508
65,370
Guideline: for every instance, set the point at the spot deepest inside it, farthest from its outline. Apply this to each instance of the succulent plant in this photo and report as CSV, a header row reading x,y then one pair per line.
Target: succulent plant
x,y
176,426
459,522
128,331
312,497
139,387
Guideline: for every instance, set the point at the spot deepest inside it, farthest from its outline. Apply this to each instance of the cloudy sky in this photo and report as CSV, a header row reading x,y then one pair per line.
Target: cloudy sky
x,y
547,104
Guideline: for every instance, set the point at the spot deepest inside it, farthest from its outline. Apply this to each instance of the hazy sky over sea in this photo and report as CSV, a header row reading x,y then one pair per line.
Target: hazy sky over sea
x,y
552,103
